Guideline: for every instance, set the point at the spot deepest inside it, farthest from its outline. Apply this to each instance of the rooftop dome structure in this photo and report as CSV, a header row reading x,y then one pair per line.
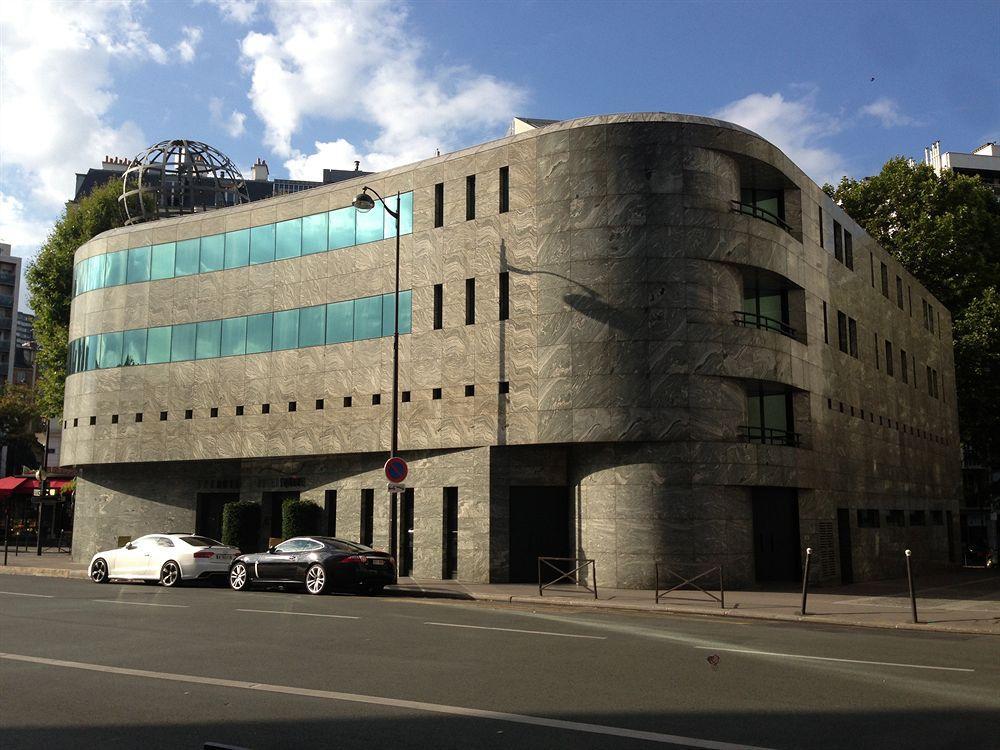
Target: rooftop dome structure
x,y
179,177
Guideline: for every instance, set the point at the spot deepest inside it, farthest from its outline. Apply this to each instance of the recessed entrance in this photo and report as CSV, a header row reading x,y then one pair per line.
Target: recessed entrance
x,y
540,526
776,534
208,516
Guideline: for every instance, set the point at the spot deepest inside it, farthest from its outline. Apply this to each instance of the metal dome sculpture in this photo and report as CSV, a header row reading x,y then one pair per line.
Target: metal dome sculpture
x,y
180,177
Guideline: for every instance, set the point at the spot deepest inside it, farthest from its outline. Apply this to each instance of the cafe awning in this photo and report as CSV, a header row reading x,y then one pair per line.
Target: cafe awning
x,y
27,485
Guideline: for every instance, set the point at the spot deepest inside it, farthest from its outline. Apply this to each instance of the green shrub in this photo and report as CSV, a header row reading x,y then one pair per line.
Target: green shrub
x,y
300,518
241,525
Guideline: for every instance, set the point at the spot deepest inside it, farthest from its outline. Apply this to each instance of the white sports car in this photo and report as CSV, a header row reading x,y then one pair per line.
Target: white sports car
x,y
167,558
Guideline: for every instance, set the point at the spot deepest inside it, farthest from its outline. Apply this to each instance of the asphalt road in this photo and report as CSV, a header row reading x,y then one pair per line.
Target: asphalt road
x,y
131,665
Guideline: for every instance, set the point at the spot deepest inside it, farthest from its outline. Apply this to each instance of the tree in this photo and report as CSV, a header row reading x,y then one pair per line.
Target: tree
x,y
945,230
50,282
18,419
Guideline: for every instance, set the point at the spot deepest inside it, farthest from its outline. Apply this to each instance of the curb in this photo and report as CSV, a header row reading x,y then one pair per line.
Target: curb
x,y
46,572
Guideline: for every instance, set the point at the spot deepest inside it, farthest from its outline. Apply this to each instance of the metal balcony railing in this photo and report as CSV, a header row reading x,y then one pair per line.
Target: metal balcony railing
x,y
771,436
753,320
738,207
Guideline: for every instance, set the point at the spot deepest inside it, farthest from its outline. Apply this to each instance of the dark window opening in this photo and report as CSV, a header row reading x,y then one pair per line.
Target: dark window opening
x,y
436,394
470,197
163,416
138,418
504,189
903,369
826,326
899,292
838,241
470,390
470,302
868,519
769,415
438,306
93,420
76,421
214,412
895,518
239,411
330,511
871,263
842,332
376,399
504,293
367,516
888,358
503,386
265,408
189,413
885,280
848,250
822,241
450,541
439,204
406,397
877,362
319,404
293,406
852,330
347,401
114,419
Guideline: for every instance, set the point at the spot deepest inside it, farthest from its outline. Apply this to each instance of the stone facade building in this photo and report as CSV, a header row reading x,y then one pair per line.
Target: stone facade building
x,y
632,338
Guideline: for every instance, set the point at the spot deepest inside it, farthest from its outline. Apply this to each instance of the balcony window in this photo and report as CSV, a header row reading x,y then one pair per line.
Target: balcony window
x,y
764,307
768,205
769,415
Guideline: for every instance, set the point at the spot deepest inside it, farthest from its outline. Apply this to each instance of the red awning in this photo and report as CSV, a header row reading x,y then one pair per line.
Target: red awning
x,y
27,485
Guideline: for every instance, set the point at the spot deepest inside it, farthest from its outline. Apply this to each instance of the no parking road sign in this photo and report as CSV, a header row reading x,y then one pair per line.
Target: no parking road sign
x,y
396,470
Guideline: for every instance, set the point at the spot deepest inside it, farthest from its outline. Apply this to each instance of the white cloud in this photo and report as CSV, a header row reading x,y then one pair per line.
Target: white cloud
x,y
238,11
793,125
338,154
362,61
186,47
886,111
18,229
234,124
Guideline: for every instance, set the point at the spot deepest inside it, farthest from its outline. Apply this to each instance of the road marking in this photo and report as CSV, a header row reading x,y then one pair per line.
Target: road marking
x,y
18,593
139,604
438,708
516,630
302,614
830,658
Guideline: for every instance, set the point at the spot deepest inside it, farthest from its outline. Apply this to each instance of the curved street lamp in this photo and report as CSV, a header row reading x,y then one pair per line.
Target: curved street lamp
x,y
364,203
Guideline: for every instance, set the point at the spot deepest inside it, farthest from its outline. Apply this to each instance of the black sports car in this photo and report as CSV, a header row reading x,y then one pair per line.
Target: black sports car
x,y
321,563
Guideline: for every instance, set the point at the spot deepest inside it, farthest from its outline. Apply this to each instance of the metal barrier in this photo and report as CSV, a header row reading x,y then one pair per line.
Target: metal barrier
x,y
571,575
721,598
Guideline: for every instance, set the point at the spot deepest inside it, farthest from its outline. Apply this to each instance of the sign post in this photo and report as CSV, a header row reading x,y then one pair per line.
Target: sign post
x,y
396,470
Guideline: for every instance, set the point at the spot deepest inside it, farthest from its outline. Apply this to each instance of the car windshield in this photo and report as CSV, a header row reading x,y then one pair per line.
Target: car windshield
x,y
201,541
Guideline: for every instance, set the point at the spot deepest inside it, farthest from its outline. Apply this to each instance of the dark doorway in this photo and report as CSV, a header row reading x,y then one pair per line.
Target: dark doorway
x,y
450,562
776,534
330,508
540,526
367,517
272,504
406,554
208,516
844,546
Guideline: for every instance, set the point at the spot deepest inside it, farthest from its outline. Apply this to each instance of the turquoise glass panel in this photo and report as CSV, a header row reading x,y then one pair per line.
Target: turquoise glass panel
x,y
212,253
312,326
259,333
158,345
95,274
314,234
388,314
367,318
162,266
262,244
77,269
109,353
134,347
182,342
208,340
186,257
237,248
371,224
234,336
286,330
138,265
342,227
340,322
405,213
90,346
288,239
115,267
405,311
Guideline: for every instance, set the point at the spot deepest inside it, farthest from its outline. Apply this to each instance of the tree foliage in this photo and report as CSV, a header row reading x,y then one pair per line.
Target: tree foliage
x,y
945,230
18,420
50,282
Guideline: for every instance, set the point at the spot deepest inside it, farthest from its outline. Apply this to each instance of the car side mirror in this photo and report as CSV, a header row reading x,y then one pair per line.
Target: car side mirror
x,y
130,546
270,550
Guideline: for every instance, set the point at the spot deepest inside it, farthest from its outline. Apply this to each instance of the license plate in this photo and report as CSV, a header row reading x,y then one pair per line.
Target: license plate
x,y
377,561
223,557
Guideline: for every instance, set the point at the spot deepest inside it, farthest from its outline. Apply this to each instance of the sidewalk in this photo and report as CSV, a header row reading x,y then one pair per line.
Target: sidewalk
x,y
962,601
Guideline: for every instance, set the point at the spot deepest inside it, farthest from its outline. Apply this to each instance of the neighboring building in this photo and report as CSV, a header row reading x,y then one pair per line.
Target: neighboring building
x,y
632,338
984,161
259,185
25,328
10,289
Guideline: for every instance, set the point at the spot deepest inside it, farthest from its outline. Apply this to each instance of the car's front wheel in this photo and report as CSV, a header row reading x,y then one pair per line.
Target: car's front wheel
x,y
99,571
170,574
316,579
239,577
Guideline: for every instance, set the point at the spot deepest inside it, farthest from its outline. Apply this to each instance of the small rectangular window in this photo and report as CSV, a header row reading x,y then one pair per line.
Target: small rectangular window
x,y
438,306
899,292
405,397
822,241
470,302
888,358
909,298
871,263
114,419
93,419
189,414
852,330
877,365
214,412
504,292
848,250
239,411
319,404
885,280
470,197
439,205
376,399
838,241
138,418
293,406
163,416
470,390
826,325
265,408
842,332
504,189
868,519
503,387
347,401
436,394
903,369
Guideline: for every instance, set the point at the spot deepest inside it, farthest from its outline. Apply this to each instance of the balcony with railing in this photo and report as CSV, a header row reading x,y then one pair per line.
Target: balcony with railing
x,y
770,436
763,322
751,209
770,417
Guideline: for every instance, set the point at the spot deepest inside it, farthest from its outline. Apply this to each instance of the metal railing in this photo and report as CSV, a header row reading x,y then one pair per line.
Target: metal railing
x,y
738,207
721,598
572,576
753,320
771,436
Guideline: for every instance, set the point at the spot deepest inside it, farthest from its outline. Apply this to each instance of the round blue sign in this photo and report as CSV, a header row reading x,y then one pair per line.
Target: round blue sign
x,y
396,469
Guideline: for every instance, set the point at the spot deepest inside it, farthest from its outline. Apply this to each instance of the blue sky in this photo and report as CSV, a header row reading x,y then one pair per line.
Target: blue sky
x,y
311,85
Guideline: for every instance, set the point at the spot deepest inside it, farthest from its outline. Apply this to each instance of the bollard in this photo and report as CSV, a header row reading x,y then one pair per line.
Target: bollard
x,y
805,580
909,580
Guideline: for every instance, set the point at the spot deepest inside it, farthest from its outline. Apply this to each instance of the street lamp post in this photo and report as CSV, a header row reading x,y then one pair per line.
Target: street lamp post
x,y
363,202
31,350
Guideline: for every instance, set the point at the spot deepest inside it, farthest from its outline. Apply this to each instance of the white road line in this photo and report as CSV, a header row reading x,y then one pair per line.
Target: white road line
x,y
516,630
829,658
139,604
18,593
302,614
438,708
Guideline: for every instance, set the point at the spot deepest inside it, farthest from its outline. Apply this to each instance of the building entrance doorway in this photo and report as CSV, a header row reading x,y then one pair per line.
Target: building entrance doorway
x,y
273,515
208,516
844,545
776,534
540,526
